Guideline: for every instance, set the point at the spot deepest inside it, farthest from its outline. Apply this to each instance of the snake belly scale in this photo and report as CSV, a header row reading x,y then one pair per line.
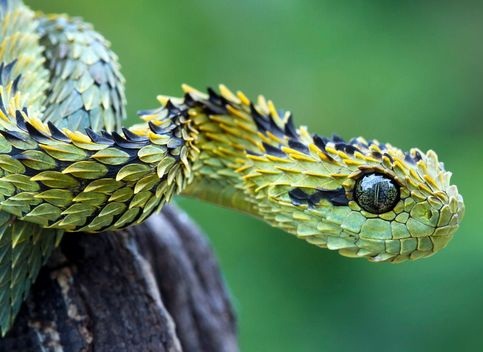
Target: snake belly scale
x,y
67,163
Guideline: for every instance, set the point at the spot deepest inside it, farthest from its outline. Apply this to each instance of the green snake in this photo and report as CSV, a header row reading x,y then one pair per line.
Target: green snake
x,y
67,164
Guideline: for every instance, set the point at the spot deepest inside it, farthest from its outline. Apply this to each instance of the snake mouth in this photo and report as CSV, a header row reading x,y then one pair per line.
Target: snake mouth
x,y
401,238
397,251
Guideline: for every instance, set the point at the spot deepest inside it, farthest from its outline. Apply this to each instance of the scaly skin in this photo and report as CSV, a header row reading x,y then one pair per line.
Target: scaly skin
x,y
75,63
67,165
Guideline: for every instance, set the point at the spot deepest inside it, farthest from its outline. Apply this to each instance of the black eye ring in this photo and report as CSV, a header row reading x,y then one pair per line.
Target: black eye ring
x,y
376,193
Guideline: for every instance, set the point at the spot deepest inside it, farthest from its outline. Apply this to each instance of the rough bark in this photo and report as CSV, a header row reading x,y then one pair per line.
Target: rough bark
x,y
153,287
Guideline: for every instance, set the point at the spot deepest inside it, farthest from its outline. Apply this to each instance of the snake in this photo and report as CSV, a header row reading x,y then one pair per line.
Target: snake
x,y
68,164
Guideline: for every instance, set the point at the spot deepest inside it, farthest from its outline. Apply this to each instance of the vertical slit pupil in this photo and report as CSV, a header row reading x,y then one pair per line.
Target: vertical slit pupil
x,y
376,193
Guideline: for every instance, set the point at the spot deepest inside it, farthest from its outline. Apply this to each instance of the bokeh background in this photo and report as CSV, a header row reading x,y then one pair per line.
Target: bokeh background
x,y
407,72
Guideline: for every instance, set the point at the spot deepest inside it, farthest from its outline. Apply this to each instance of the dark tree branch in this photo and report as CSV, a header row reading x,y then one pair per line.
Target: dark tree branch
x,y
153,287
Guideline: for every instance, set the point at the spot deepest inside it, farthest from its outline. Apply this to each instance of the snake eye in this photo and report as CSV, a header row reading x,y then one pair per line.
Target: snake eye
x,y
376,193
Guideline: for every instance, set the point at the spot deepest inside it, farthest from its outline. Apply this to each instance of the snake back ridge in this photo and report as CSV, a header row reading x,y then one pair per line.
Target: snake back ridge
x,y
68,164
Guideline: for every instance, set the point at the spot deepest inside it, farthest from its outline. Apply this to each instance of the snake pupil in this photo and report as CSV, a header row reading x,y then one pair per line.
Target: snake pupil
x,y
376,193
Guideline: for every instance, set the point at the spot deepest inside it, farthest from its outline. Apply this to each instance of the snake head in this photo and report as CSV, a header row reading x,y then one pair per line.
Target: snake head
x,y
364,199
409,207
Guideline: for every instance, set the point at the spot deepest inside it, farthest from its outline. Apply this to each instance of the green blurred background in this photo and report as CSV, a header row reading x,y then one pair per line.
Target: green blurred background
x,y
407,72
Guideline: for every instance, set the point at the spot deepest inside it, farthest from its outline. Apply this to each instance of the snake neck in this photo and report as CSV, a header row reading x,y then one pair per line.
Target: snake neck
x,y
231,133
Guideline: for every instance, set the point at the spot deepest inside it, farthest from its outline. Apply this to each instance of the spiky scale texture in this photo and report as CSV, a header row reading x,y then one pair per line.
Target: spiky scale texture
x,y
94,182
24,248
66,168
86,87
81,87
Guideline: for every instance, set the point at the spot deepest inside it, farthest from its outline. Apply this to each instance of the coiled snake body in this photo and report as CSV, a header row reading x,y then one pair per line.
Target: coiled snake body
x,y
67,164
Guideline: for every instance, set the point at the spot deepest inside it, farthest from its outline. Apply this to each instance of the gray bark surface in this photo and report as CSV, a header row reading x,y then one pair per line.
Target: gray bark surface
x,y
152,287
